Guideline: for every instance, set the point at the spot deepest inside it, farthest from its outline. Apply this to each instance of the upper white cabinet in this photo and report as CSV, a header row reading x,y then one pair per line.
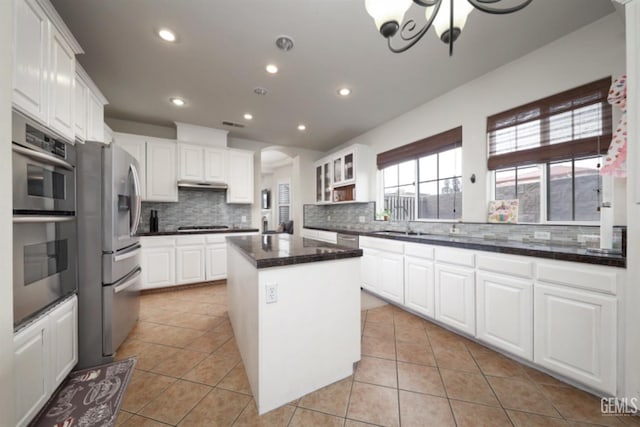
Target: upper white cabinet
x,y
44,66
202,164
89,109
346,176
62,69
240,176
31,59
162,185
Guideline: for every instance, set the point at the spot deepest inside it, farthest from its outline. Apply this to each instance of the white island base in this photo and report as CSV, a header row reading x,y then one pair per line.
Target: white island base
x,y
306,340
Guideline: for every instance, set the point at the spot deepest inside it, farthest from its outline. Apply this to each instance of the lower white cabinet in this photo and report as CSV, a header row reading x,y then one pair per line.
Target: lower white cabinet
x,y
419,290
216,263
190,264
44,354
391,276
504,308
575,335
455,297
158,266
369,269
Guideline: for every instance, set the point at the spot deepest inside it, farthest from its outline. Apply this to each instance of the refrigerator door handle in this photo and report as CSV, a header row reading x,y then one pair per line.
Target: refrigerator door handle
x,y
128,283
131,252
137,199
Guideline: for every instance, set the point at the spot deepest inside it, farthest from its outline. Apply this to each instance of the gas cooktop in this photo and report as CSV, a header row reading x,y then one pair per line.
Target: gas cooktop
x,y
202,228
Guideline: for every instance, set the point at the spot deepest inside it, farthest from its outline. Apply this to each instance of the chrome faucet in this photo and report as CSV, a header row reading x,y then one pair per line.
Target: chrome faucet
x,y
407,218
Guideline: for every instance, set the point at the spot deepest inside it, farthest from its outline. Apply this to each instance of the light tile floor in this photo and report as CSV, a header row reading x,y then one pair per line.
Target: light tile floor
x,y
412,373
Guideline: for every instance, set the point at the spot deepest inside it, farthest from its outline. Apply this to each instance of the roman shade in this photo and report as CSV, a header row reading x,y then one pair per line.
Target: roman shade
x,y
566,125
430,145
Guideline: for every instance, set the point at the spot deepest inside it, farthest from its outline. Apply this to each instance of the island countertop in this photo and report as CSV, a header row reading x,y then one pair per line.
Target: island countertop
x,y
275,250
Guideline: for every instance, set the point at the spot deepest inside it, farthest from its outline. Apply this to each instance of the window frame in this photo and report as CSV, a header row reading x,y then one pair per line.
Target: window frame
x,y
288,183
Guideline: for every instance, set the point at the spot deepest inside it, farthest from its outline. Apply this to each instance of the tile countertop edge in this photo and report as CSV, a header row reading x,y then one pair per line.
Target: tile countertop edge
x,y
181,233
279,260
559,253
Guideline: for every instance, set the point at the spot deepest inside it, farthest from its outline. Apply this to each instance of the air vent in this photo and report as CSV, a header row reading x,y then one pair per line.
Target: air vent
x,y
232,124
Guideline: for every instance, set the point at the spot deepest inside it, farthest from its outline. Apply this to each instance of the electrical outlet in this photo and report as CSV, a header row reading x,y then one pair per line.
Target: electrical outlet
x,y
542,235
328,217
361,218
243,218
454,230
272,293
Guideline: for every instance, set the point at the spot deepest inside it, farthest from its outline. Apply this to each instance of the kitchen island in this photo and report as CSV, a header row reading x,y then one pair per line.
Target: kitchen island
x,y
294,305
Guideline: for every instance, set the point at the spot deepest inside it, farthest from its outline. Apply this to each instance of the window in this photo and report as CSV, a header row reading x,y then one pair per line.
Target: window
x,y
284,202
423,180
546,154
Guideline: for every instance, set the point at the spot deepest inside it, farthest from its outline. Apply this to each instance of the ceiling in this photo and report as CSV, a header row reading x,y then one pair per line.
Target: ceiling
x,y
224,45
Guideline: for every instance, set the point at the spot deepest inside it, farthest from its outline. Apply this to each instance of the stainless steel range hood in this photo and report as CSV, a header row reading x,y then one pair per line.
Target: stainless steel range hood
x,y
203,185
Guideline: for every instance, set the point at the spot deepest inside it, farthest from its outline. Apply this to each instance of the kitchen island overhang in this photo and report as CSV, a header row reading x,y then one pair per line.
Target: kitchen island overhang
x,y
294,305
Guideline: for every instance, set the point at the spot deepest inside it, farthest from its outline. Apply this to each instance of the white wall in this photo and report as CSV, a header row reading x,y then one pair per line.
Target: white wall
x,y
590,53
6,227
139,128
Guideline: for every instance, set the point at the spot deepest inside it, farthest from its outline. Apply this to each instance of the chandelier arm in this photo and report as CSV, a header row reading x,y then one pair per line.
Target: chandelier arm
x,y
407,31
482,5
425,3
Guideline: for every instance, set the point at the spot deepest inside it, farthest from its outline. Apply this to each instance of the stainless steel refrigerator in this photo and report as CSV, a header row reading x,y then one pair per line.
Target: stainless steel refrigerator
x,y
108,212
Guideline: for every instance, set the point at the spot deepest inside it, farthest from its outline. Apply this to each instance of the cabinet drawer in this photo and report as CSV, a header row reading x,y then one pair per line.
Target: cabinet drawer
x,y
600,279
418,250
157,242
309,234
386,245
327,236
216,238
189,240
505,264
455,256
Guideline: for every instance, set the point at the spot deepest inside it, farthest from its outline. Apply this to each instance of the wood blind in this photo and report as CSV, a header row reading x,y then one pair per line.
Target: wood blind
x,y
430,145
568,124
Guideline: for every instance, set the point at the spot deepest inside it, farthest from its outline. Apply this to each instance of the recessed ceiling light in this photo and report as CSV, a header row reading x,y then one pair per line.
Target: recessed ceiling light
x,y
178,102
248,116
301,127
272,68
167,35
344,91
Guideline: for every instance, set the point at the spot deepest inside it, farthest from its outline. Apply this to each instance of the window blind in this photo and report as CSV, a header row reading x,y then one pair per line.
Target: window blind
x,y
430,145
569,124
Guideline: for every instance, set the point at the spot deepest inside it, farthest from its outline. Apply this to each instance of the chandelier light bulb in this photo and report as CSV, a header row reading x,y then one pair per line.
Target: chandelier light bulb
x,y
461,11
387,14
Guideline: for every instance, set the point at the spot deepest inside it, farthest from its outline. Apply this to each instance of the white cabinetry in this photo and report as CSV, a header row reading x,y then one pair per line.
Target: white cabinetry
x,y
190,259
203,164
44,354
162,185
31,59
89,109
346,176
216,257
576,329
419,290
455,289
62,69
158,262
504,306
240,176
44,67
382,267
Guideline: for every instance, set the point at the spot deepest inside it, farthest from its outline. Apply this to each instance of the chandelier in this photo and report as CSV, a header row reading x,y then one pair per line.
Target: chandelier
x,y
448,17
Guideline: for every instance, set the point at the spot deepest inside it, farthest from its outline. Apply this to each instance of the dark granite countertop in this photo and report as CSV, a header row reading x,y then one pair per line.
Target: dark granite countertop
x,y
186,233
558,252
276,250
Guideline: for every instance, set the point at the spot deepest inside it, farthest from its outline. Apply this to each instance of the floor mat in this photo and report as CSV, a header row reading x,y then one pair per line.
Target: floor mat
x,y
90,397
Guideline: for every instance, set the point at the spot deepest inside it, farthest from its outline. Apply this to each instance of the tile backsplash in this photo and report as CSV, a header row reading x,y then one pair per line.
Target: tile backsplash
x,y
348,216
196,207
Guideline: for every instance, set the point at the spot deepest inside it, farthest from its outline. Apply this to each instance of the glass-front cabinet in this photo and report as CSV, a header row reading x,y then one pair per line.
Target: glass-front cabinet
x,y
323,181
343,168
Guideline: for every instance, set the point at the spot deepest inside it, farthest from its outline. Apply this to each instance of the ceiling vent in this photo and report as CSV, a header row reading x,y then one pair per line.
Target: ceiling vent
x,y
232,124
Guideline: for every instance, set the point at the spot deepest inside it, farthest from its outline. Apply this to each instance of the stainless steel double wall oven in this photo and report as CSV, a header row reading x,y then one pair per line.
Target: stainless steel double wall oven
x,y
44,220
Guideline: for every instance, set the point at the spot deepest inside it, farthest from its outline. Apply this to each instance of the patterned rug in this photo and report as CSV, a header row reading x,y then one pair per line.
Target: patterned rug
x,y
88,398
